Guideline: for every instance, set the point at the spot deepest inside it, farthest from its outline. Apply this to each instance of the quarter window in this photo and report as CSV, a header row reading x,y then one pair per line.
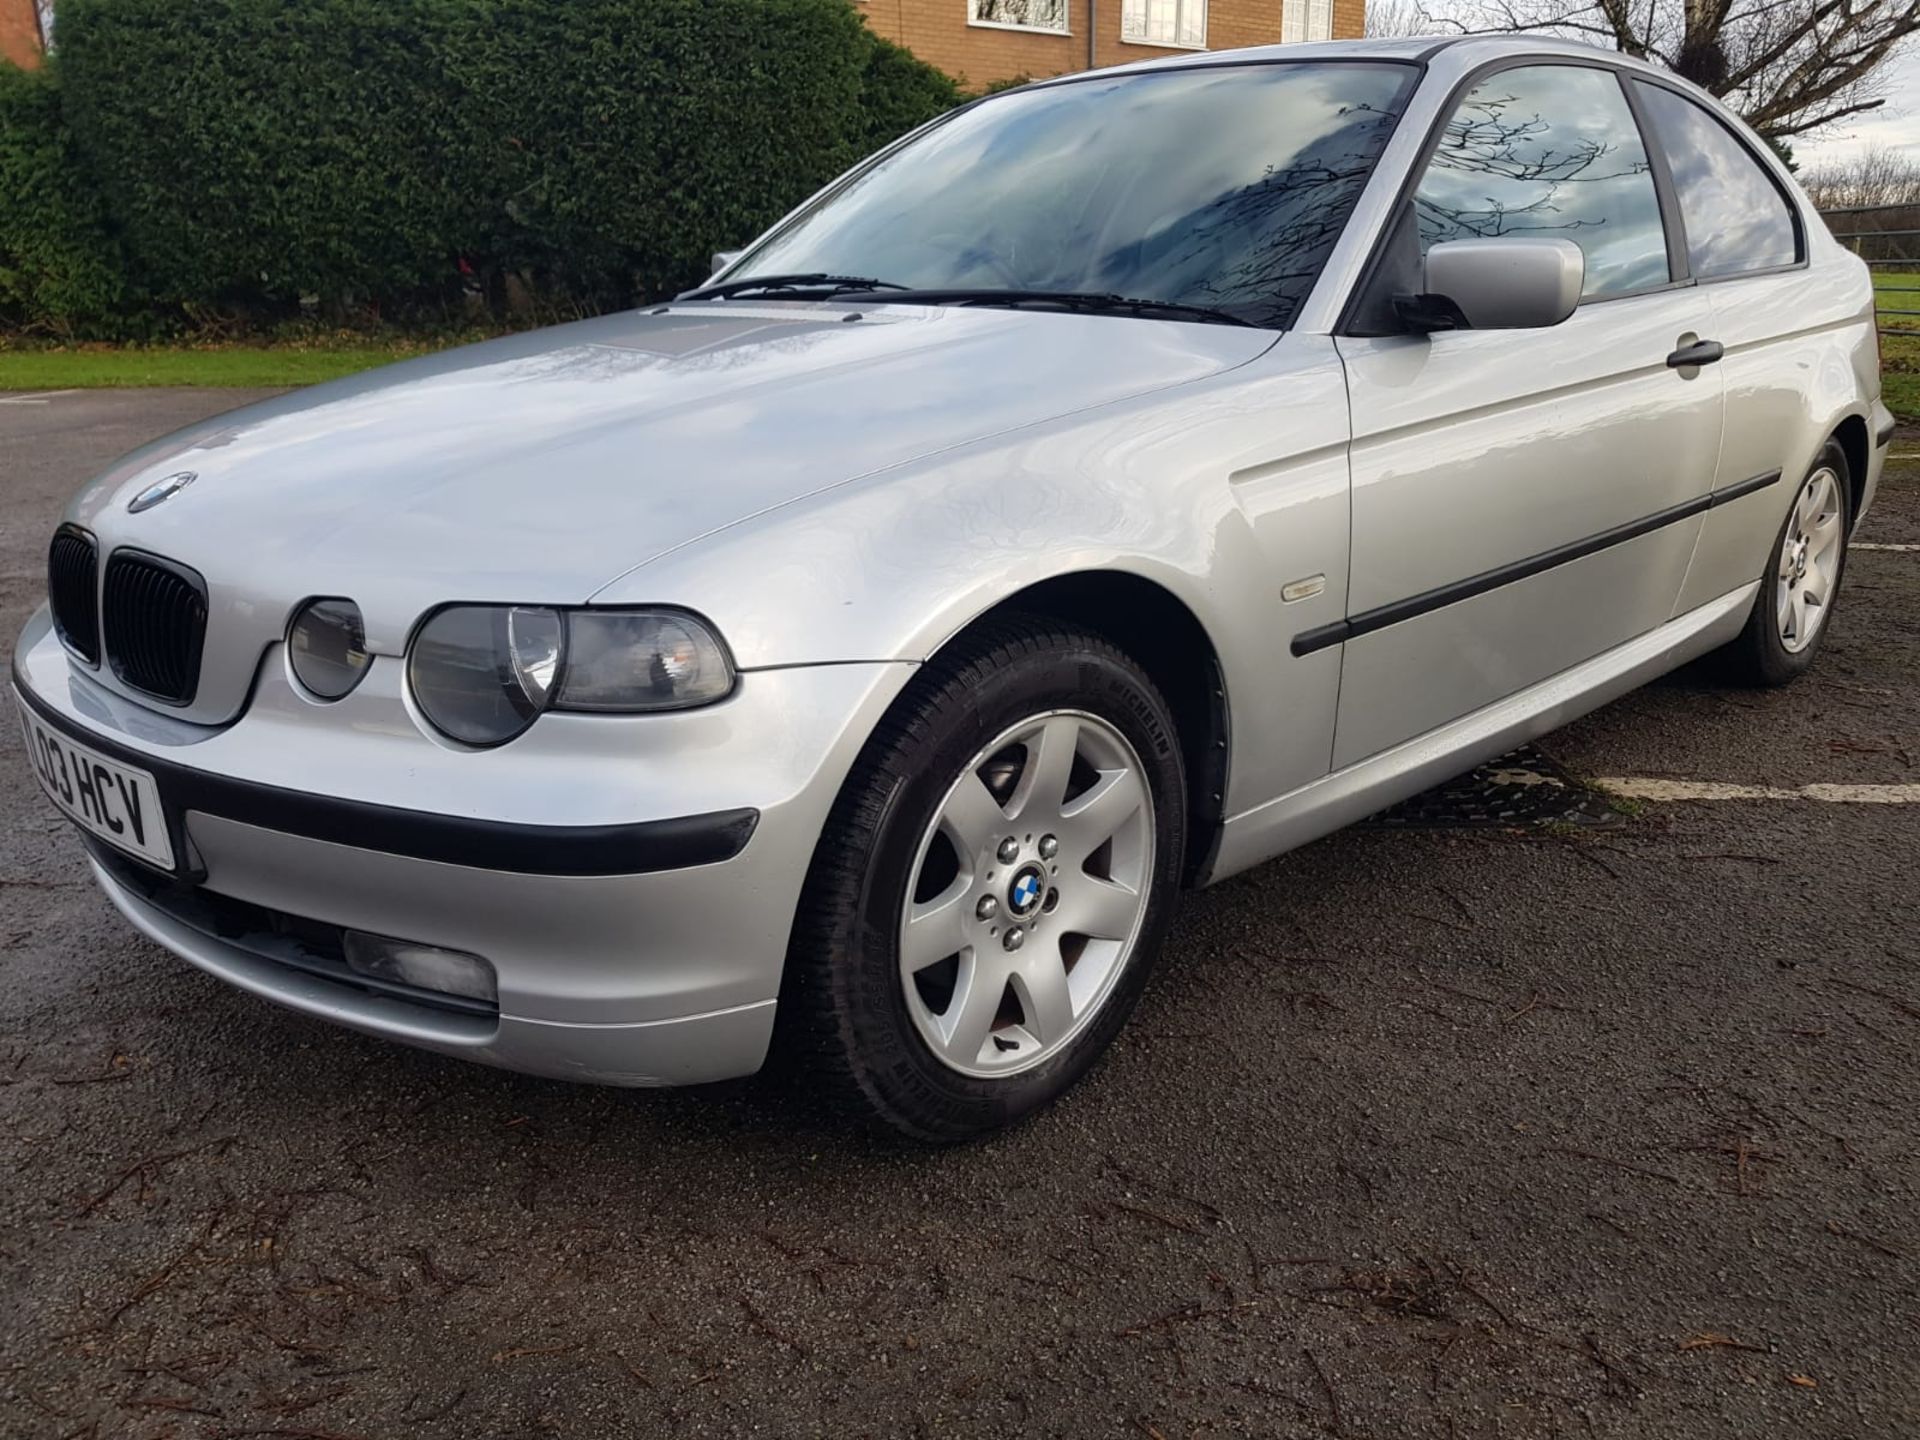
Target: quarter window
x,y
1165,22
1550,151
1737,220
1050,15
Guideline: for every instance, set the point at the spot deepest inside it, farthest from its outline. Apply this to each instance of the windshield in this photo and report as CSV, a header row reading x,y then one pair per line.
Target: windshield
x,y
1221,186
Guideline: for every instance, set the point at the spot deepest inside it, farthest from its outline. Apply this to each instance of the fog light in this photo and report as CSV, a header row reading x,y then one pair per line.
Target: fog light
x,y
328,647
428,967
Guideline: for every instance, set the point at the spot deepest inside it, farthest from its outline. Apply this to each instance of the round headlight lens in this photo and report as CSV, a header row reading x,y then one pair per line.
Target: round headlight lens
x,y
327,646
483,673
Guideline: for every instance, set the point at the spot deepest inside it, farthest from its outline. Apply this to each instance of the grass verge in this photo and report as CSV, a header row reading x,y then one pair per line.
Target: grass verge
x,y
1899,354
91,367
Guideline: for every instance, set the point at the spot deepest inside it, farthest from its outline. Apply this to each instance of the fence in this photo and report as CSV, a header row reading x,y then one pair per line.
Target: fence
x,y
1887,237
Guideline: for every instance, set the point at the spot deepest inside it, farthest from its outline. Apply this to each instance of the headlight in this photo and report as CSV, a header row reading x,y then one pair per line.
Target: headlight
x,y
327,646
482,673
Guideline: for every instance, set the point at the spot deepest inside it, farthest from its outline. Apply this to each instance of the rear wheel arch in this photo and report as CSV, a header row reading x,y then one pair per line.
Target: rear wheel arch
x,y
1857,445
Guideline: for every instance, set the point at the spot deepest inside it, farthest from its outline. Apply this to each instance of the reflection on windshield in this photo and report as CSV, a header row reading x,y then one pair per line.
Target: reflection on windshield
x,y
1550,150
1222,186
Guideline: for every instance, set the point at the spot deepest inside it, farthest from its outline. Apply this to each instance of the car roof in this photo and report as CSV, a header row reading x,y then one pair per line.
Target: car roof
x,y
1464,51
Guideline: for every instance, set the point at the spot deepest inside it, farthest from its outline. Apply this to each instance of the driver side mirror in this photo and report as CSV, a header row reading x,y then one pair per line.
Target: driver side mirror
x,y
1504,283
722,259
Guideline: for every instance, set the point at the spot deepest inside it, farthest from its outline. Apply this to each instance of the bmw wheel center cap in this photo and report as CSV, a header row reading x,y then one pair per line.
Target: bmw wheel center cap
x,y
1029,884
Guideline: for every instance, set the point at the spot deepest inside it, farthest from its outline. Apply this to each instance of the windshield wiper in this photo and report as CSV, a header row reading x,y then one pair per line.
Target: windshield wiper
x,y
1088,301
784,284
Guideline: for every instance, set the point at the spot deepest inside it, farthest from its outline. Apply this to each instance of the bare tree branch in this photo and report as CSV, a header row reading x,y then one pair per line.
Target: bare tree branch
x,y
1786,66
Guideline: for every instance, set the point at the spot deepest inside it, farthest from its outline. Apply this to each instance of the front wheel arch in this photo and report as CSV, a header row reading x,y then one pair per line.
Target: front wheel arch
x,y
1162,635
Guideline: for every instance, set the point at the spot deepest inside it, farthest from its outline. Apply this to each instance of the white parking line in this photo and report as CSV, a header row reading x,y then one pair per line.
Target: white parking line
x,y
1634,789
1901,549
40,397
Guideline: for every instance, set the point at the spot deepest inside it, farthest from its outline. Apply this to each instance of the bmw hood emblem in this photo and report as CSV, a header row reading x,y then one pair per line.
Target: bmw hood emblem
x,y
161,490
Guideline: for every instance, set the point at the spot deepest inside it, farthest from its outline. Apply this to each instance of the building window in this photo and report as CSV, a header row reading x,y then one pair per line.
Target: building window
x,y
1047,15
1306,20
1179,23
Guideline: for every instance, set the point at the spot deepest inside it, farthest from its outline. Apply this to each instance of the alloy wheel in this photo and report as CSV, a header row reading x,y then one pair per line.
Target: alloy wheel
x,y
1027,894
1810,555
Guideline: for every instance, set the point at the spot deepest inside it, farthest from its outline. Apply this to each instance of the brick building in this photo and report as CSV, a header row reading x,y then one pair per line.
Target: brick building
x,y
982,41
22,39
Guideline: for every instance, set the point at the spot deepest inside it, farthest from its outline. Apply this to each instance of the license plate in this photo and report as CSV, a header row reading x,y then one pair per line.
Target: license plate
x,y
117,803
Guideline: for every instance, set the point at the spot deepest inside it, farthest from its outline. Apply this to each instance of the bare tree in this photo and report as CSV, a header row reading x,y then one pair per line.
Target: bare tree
x,y
1785,66
1395,19
1877,175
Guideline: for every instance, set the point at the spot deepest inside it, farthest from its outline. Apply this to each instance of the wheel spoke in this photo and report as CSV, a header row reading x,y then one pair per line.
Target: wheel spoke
x,y
1043,782
935,929
1826,541
1784,610
973,817
1045,1001
976,1000
1102,909
1092,818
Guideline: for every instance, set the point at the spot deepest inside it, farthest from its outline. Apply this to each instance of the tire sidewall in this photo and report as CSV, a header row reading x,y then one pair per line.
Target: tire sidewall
x,y
903,1075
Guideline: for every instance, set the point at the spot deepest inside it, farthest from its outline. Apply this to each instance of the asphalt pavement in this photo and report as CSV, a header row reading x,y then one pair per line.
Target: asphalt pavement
x,y
1566,1129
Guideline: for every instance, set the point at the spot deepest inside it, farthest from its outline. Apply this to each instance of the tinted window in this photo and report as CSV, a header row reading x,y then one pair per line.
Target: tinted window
x,y
1550,151
1223,186
1736,217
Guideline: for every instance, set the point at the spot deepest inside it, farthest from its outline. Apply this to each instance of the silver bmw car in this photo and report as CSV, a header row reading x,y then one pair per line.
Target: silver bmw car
x,y
1111,485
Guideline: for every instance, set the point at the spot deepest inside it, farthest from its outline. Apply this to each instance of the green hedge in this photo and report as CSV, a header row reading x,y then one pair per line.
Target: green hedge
x,y
387,158
59,270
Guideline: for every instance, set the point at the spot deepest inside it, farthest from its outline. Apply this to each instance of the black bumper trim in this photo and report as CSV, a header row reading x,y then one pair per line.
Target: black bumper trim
x,y
645,847
1883,437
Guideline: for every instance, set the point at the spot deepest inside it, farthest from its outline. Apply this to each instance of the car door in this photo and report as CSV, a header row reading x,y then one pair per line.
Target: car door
x,y
1747,250
1521,497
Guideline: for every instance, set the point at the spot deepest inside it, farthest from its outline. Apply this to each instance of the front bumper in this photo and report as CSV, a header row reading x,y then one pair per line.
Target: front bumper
x,y
632,880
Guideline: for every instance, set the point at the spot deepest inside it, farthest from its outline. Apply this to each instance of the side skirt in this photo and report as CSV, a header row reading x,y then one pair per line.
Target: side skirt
x,y
1366,786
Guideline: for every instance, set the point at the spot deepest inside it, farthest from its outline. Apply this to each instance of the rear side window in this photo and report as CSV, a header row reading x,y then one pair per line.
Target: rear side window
x,y
1737,220
1549,151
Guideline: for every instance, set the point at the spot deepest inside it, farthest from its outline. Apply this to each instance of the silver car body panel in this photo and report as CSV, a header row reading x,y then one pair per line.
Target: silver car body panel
x,y
480,462
841,488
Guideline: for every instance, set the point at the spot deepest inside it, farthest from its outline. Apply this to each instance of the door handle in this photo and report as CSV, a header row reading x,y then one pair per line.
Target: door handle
x,y
1700,352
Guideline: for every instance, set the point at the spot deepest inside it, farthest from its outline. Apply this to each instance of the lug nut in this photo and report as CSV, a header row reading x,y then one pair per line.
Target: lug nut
x,y
987,908
1049,847
1009,850
1014,938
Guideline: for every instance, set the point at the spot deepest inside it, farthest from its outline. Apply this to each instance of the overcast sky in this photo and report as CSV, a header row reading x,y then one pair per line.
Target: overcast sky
x,y
1895,124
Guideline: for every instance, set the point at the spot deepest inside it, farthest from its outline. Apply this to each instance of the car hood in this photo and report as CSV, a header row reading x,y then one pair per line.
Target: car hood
x,y
539,467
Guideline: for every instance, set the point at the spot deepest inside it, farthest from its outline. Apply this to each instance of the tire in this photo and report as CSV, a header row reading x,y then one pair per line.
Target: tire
x,y
1775,649
898,1054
